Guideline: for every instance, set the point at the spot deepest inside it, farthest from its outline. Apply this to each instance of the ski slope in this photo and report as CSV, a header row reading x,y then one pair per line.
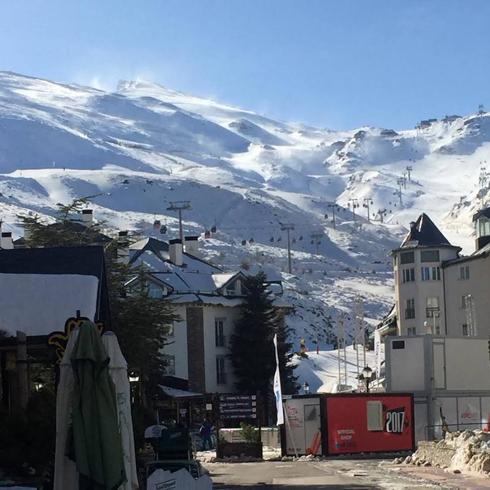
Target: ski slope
x,y
139,148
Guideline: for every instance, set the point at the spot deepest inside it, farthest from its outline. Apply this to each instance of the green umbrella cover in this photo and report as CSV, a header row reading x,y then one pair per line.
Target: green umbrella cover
x,y
96,441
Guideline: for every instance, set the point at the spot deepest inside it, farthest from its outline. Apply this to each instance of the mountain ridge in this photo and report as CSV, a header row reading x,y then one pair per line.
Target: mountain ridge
x,y
141,147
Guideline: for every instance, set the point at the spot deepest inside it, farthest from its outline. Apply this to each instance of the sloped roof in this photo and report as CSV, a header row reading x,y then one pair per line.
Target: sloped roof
x,y
54,274
160,249
424,233
483,212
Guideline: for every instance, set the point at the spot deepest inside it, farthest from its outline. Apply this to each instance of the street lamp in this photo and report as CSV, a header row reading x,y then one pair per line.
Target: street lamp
x,y
134,387
366,376
306,388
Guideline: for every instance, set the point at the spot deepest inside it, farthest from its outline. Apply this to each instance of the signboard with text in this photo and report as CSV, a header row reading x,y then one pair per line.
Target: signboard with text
x,y
238,407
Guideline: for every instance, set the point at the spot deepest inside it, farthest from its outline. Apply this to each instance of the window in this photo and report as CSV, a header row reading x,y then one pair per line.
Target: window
x,y
430,273
464,302
464,272
154,291
407,257
169,365
398,344
408,275
374,415
464,329
429,256
432,307
411,331
410,309
220,370
219,332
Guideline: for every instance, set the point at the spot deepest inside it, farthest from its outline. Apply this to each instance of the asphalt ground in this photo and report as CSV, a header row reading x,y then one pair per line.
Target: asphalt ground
x,y
333,474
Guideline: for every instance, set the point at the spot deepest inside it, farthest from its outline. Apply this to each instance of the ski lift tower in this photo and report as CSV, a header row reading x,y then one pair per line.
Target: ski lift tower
x,y
180,206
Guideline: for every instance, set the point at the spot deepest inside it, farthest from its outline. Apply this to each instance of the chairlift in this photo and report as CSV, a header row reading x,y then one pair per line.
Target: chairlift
x,y
213,229
326,216
163,229
251,240
244,242
207,234
300,238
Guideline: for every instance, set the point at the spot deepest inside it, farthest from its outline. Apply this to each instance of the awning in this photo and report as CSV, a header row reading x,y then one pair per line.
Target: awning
x,y
179,394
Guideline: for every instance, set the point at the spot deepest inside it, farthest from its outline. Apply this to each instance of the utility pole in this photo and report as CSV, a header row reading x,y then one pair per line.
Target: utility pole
x,y
315,238
366,202
334,208
355,204
381,214
339,343
180,206
409,169
288,227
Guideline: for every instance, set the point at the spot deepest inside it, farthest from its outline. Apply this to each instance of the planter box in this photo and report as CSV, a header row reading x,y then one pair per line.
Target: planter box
x,y
229,449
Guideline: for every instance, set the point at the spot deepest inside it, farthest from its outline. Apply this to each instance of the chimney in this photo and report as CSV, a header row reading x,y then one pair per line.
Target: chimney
x,y
175,252
87,217
123,248
6,242
191,245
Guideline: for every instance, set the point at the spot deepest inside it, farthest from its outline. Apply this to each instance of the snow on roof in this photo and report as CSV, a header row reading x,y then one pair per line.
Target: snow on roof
x,y
221,279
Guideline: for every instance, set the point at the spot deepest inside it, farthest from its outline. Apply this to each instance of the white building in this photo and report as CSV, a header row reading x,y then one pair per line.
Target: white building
x,y
441,322
206,299
438,291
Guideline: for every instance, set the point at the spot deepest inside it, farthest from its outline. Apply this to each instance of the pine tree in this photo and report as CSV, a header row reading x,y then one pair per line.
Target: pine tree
x,y
139,321
252,350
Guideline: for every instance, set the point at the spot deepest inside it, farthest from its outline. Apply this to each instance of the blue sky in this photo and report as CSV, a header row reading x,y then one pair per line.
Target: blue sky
x,y
338,64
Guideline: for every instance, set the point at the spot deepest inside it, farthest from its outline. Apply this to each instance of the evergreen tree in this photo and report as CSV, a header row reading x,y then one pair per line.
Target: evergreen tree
x,y
139,321
252,349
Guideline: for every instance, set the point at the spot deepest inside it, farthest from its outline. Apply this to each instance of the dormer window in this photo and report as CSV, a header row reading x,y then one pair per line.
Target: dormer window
x,y
483,226
155,291
234,288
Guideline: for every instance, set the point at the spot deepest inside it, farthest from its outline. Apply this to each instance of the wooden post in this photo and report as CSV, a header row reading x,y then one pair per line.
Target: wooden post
x,y
22,373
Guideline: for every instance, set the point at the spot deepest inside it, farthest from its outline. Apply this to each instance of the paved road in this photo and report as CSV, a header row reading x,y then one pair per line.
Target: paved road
x,y
334,474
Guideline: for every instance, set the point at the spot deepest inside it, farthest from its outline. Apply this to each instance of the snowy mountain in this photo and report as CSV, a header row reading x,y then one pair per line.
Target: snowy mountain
x,y
144,146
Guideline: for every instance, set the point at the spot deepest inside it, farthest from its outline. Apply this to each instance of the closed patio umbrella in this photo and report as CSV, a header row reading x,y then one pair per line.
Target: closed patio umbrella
x,y
65,470
118,371
97,448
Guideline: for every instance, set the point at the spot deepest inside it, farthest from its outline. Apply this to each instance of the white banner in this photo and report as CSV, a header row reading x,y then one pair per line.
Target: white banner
x,y
277,388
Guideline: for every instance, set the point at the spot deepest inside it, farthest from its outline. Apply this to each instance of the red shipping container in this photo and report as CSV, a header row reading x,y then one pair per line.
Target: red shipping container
x,y
358,423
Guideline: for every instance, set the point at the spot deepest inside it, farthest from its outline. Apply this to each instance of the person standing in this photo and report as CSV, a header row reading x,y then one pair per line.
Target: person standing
x,y
205,433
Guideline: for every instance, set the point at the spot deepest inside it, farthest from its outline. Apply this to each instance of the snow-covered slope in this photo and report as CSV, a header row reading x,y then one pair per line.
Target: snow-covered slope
x,y
144,146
